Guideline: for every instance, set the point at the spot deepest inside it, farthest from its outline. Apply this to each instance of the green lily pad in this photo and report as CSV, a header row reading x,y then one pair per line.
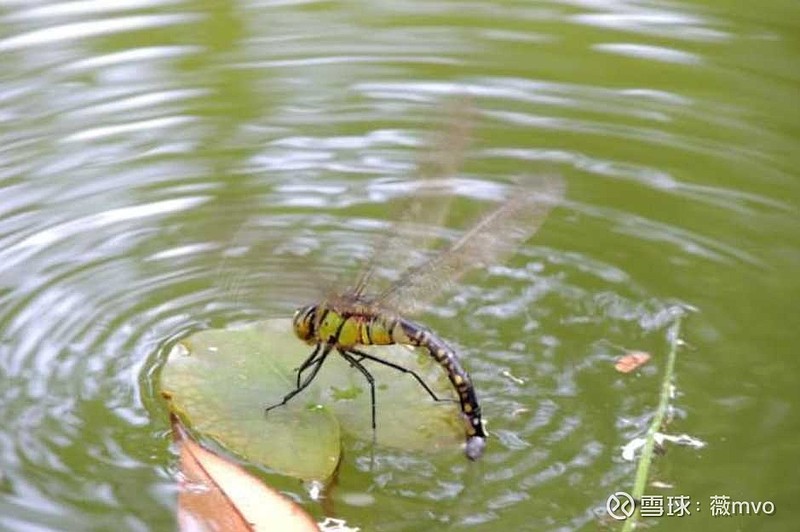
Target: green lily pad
x,y
221,381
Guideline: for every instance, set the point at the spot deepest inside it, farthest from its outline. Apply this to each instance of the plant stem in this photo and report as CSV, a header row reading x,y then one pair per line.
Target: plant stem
x,y
647,451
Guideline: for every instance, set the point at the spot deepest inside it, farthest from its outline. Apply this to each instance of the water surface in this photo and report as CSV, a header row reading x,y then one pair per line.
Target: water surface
x,y
169,166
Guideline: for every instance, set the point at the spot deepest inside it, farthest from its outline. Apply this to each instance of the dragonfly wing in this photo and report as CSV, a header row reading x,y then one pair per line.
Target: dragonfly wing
x,y
429,202
490,241
245,277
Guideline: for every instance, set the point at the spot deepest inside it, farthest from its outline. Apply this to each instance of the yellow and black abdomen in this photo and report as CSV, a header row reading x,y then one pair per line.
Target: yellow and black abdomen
x,y
415,334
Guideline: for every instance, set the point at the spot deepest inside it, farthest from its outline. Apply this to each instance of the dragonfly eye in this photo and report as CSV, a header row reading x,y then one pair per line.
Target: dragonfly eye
x,y
303,322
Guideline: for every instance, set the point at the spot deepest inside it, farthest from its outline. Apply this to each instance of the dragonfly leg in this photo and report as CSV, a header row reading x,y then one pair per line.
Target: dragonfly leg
x,y
356,364
362,356
308,362
303,385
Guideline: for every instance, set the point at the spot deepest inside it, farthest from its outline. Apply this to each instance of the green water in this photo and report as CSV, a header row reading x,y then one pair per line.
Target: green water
x,y
167,167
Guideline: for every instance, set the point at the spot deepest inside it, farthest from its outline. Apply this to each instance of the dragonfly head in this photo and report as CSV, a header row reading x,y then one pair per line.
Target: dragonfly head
x,y
304,323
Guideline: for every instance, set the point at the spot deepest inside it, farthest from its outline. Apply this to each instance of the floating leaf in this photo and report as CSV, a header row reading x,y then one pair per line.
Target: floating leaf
x,y
222,380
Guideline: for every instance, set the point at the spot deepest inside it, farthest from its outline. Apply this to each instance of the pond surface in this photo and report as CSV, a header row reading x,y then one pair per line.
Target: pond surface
x,y
170,166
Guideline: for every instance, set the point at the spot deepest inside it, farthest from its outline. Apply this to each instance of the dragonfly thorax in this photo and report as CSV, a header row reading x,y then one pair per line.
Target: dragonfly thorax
x,y
345,325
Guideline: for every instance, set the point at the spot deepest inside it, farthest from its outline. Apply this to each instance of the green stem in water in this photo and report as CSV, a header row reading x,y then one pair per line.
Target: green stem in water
x,y
663,403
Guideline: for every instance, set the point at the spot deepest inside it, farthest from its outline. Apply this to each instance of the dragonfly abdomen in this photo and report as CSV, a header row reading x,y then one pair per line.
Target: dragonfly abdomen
x,y
447,358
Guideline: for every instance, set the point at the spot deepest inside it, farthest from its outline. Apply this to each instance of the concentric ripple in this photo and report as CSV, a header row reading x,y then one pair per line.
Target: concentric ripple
x,y
169,166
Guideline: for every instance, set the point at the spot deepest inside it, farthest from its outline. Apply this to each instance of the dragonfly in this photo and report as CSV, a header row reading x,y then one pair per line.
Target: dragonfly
x,y
367,314
346,322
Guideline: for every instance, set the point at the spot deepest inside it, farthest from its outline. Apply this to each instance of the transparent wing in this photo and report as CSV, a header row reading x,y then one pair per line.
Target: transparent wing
x,y
420,217
269,266
262,246
490,241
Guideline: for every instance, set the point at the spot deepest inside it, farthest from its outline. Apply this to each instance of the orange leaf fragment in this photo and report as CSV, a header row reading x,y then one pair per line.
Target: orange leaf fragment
x,y
216,494
631,361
